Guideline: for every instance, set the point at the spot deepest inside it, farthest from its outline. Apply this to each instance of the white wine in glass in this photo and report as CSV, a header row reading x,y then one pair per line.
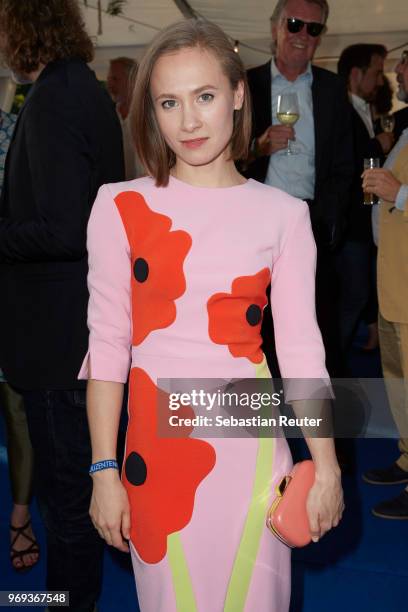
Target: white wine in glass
x,y
288,113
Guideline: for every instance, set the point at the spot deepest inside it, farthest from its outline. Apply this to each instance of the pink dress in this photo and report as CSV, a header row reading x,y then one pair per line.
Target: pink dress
x,y
177,280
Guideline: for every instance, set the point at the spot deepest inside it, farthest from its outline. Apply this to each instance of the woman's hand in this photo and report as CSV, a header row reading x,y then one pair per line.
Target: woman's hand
x,y
109,509
325,503
382,182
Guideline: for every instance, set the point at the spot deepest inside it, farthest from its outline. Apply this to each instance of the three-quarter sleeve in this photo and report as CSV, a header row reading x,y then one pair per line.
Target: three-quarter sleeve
x,y
109,310
299,344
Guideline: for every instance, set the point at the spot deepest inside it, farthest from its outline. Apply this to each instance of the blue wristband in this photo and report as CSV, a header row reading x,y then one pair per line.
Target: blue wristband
x,y
103,465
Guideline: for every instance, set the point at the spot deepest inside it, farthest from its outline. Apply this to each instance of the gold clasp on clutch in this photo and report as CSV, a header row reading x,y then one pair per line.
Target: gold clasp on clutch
x,y
280,489
282,486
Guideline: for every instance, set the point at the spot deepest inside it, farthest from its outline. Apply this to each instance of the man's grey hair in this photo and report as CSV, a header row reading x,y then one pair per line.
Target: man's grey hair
x,y
281,4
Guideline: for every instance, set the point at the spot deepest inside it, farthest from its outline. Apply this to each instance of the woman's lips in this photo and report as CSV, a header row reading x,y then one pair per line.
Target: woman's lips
x,y
195,143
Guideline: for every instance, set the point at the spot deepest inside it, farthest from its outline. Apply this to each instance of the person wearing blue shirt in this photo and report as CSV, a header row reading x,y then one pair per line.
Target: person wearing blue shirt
x,y
7,123
321,172
298,176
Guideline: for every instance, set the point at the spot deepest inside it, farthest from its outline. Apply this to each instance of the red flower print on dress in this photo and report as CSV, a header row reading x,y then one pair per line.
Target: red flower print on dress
x,y
161,475
235,318
157,256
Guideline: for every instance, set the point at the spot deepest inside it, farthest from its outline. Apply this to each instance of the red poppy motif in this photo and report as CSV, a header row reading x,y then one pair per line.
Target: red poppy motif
x,y
235,318
161,475
157,263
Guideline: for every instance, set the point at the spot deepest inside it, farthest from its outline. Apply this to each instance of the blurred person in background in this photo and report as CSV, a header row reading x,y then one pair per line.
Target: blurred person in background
x,y
362,68
381,105
66,143
120,82
390,184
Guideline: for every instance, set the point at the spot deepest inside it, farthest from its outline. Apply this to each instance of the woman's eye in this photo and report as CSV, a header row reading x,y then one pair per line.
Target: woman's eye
x,y
169,104
206,97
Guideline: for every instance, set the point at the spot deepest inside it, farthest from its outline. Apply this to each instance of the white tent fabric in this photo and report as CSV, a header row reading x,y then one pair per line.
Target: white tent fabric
x,y
350,21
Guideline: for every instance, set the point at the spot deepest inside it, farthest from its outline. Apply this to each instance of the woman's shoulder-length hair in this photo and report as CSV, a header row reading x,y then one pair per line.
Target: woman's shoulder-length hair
x,y
154,153
41,31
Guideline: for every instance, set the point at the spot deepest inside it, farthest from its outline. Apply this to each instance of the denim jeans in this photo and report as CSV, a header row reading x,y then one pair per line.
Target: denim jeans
x,y
59,434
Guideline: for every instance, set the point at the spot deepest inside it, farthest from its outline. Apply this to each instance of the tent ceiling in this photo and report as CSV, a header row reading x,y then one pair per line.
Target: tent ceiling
x,y
384,21
346,16
124,30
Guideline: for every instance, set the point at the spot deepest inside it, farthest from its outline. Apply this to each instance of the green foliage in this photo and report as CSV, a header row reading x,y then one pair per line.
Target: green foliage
x,y
115,7
20,96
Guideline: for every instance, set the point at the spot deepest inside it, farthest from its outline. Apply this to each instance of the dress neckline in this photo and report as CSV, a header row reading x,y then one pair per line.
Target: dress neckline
x,y
175,181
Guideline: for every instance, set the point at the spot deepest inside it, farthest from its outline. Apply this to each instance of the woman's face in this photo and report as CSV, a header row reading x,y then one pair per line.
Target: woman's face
x,y
194,105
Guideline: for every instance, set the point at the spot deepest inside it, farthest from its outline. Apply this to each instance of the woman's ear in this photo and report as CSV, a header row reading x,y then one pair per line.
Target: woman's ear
x,y
239,96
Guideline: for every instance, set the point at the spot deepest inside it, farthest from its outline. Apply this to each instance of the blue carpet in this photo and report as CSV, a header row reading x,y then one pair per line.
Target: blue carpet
x,y
118,592
362,565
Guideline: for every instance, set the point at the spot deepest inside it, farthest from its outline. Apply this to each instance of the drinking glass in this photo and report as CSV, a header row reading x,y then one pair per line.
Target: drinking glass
x,y
369,163
288,113
388,123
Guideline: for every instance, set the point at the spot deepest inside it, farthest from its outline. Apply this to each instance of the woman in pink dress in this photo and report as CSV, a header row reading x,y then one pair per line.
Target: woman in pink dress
x,y
179,263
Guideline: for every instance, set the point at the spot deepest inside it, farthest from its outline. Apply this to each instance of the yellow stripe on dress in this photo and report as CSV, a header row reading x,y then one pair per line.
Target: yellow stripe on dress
x,y
183,589
255,522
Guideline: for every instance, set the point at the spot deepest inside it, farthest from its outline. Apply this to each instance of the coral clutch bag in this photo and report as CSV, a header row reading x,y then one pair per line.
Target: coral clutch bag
x,y
287,516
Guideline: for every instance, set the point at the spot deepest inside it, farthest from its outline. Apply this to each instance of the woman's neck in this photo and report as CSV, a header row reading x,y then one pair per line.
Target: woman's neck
x,y
215,174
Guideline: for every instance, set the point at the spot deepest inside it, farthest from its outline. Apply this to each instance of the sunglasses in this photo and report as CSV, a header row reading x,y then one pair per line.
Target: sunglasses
x,y
314,28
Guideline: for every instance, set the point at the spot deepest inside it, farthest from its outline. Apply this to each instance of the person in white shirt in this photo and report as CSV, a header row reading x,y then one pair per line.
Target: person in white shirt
x,y
362,65
362,68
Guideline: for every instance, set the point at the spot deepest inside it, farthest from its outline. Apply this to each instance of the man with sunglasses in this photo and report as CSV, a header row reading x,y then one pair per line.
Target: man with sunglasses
x,y
390,184
321,171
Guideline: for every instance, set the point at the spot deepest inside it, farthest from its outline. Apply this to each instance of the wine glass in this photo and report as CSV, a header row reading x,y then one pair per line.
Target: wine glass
x,y
388,123
288,113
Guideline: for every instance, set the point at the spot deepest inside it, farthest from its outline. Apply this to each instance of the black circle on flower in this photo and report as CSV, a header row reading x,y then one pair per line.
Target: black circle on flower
x,y
253,314
135,469
141,269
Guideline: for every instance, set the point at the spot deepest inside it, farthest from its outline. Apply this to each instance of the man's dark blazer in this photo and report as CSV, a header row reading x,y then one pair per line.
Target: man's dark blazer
x,y
359,216
334,166
333,145
66,143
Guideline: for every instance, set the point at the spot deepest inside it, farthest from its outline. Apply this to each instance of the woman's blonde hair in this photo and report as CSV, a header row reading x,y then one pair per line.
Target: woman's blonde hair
x,y
153,151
